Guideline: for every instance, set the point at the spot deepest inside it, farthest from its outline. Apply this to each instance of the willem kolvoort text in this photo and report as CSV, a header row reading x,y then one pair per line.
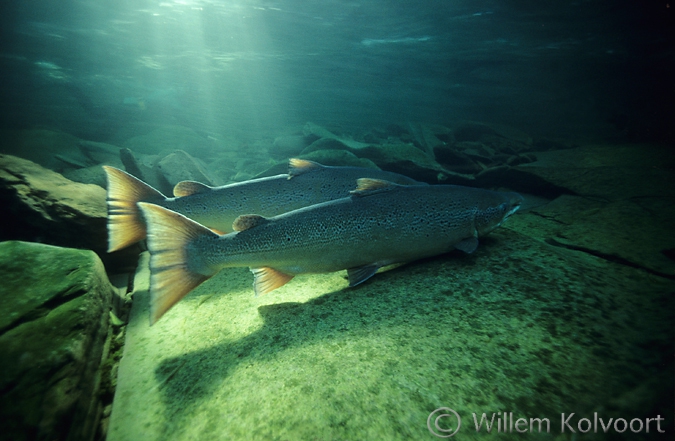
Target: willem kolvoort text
x,y
569,423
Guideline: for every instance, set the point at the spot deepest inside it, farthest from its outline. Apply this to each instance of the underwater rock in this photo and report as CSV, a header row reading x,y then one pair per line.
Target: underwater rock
x,y
499,137
55,150
316,132
327,144
288,146
340,158
100,153
40,205
455,157
428,137
144,168
520,159
87,175
131,165
476,150
279,168
224,167
405,159
609,172
181,166
633,232
169,138
54,313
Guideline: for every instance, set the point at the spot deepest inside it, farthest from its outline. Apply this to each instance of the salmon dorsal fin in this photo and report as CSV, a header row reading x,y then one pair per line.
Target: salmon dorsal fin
x,y
187,188
246,221
298,166
367,186
267,279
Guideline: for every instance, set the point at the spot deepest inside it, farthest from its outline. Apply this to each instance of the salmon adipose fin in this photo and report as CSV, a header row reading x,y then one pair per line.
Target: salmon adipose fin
x,y
125,224
173,271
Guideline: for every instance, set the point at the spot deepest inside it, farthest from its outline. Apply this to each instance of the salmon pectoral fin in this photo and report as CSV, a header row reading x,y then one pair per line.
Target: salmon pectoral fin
x,y
125,223
172,269
267,279
361,274
467,245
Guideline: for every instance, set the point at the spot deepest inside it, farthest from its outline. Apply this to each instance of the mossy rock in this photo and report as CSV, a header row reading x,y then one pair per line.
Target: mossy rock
x,y
54,312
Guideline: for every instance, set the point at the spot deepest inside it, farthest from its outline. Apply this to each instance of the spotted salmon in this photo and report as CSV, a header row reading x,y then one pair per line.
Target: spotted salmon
x,y
380,223
306,183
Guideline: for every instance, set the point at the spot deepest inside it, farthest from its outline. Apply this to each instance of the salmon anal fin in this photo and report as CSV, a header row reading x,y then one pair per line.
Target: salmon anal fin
x,y
188,188
299,166
361,274
267,279
125,224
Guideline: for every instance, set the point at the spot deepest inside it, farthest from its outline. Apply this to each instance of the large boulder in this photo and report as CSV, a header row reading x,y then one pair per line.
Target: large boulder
x,y
55,150
180,166
40,205
606,172
54,314
634,233
287,146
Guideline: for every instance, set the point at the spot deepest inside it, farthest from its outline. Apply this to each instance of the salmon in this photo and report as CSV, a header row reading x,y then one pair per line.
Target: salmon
x,y
380,223
306,183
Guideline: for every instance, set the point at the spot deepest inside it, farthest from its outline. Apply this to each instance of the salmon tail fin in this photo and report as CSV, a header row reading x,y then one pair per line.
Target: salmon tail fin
x,y
175,267
125,223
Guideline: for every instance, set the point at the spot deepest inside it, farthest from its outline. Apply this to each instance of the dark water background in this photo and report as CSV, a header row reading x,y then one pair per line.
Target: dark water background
x,y
585,68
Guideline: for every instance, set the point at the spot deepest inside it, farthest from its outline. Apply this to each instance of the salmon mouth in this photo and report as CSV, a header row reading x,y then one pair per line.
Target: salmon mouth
x,y
516,201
